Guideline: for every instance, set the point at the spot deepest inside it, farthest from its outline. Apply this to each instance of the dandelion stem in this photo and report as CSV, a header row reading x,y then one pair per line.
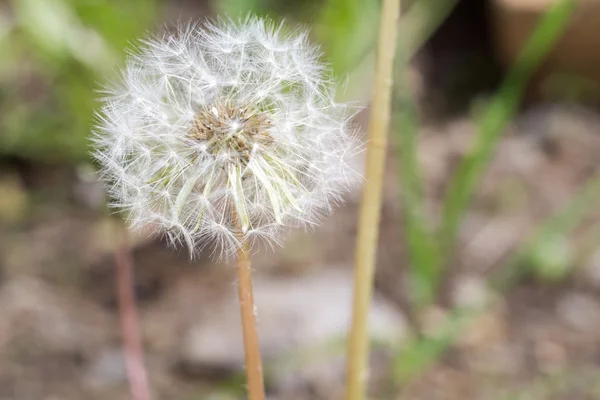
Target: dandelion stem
x,y
254,373
370,211
130,330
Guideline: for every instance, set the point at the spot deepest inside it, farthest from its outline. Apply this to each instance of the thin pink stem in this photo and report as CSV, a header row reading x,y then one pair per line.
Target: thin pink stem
x,y
130,329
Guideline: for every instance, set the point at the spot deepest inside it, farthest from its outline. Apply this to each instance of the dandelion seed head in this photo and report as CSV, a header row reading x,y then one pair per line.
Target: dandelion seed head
x,y
224,133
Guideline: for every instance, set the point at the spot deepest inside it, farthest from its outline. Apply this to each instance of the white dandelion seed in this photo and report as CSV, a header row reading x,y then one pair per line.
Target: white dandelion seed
x,y
225,133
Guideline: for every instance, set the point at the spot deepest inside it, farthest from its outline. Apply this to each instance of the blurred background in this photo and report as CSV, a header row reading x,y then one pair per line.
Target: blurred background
x,y
509,307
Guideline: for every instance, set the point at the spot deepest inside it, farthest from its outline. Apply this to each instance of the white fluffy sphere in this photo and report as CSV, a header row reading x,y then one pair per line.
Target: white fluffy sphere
x,y
225,133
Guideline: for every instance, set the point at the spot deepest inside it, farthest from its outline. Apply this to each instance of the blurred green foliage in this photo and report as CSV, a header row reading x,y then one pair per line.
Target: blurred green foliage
x,y
57,53
431,249
546,255
54,54
496,117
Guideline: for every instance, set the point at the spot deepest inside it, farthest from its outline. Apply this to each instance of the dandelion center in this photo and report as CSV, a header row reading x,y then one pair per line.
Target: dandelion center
x,y
231,131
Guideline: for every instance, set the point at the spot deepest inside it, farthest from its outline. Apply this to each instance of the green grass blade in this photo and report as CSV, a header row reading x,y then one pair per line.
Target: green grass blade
x,y
423,253
423,19
561,223
497,116
424,352
415,358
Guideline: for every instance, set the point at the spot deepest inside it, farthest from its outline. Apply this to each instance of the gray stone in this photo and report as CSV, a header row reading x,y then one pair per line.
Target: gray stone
x,y
293,313
31,308
579,311
107,370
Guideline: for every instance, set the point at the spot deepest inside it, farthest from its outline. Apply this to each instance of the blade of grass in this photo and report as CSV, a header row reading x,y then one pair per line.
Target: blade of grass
x,y
414,359
496,117
561,223
420,23
423,253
